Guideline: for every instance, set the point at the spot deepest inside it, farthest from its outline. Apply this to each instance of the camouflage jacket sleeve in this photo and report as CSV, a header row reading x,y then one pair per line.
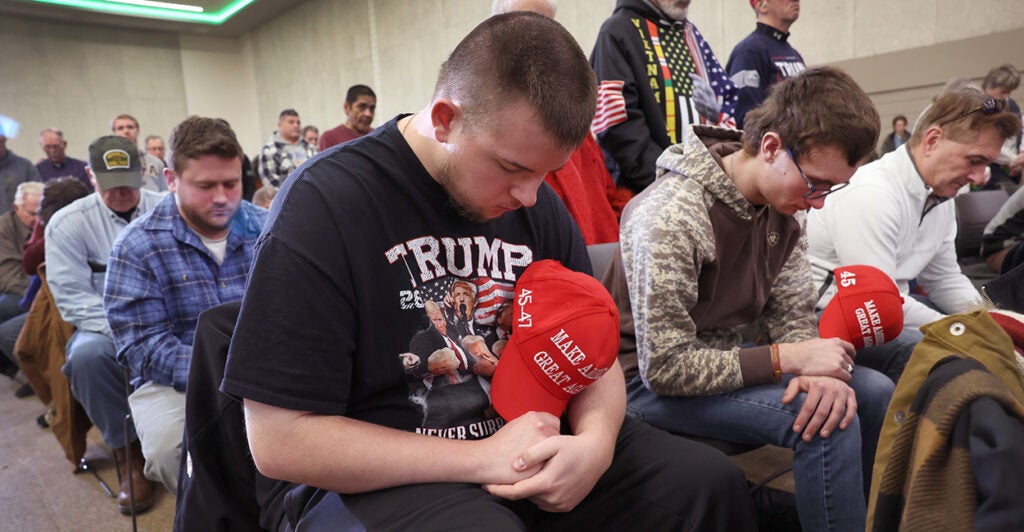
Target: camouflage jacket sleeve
x,y
665,242
789,313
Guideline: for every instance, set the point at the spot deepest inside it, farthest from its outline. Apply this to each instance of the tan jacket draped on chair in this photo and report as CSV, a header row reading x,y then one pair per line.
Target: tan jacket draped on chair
x,y
40,350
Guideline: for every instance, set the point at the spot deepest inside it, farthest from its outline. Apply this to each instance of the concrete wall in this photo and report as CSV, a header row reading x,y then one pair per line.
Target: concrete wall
x,y
218,80
77,78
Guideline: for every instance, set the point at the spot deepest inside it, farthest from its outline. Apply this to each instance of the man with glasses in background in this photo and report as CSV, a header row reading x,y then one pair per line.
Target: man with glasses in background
x,y
894,216
57,164
715,246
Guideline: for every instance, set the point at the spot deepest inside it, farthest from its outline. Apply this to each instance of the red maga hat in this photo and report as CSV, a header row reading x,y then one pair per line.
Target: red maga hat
x,y
565,336
867,309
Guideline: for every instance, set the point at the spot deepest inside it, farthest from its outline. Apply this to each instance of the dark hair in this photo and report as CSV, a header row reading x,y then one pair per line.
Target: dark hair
x,y
197,136
355,91
58,193
1003,77
898,118
821,107
522,56
287,112
957,112
309,128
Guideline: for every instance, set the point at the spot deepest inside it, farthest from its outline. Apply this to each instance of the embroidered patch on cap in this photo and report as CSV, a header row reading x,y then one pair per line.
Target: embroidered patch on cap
x,y
116,160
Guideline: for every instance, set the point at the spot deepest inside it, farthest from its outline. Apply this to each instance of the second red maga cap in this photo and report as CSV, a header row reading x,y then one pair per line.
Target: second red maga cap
x,y
565,336
867,309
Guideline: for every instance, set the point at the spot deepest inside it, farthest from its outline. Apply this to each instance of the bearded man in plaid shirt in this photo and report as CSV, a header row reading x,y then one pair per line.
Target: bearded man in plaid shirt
x,y
192,252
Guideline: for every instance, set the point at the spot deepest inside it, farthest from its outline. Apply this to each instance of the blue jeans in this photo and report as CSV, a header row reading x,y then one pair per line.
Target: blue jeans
x,y
891,357
97,381
9,332
9,306
831,474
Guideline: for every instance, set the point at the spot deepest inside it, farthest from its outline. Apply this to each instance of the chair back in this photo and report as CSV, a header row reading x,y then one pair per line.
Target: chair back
x,y
216,487
973,212
601,256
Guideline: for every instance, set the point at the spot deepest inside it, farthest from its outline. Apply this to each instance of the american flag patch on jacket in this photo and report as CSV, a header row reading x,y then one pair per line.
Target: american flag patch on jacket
x,y
611,106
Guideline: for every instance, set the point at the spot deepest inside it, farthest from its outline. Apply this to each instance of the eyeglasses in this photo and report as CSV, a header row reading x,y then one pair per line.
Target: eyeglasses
x,y
991,106
813,193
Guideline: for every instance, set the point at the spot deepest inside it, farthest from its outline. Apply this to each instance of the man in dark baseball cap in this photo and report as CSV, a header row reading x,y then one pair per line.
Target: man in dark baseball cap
x,y
114,162
78,242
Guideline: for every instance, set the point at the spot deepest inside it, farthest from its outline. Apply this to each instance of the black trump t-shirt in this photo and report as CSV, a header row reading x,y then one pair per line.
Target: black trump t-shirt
x,y
370,297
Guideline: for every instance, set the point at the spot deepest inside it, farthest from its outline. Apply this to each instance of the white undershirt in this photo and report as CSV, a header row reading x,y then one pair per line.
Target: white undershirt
x,y
217,247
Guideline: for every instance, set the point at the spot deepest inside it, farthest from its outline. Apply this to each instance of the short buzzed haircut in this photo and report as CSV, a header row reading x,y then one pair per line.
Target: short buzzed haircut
x,y
55,131
1005,77
197,136
287,112
355,91
958,113
522,56
124,116
821,107
152,137
264,195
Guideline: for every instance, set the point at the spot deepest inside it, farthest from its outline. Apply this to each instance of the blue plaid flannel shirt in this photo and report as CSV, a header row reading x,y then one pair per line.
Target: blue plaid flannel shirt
x,y
160,277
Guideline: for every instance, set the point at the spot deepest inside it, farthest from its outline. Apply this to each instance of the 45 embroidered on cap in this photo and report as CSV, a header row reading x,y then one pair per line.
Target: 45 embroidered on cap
x,y
867,309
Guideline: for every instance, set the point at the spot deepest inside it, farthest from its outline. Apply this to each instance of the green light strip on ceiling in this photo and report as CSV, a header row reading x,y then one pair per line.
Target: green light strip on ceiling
x,y
155,12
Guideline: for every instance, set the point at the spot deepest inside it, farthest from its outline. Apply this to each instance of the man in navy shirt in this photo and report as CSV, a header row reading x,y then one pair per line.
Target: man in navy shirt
x,y
57,164
764,57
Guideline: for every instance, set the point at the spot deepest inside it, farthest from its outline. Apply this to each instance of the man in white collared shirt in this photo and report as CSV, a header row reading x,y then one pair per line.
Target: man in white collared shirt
x,y
894,215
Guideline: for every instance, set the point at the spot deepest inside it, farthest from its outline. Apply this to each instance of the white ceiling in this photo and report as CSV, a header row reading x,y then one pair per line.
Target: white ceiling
x,y
255,14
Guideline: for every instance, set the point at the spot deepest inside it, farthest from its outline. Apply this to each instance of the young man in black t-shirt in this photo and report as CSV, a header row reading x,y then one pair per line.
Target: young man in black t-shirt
x,y
364,246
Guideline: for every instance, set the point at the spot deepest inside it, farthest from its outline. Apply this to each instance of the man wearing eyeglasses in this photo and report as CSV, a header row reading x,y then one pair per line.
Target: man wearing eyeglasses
x,y
894,215
715,246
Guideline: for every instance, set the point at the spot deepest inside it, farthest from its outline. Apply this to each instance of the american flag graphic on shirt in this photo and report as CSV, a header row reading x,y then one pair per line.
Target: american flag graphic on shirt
x,y
490,295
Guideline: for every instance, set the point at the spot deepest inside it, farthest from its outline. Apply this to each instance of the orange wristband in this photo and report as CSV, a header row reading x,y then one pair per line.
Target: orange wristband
x,y
776,363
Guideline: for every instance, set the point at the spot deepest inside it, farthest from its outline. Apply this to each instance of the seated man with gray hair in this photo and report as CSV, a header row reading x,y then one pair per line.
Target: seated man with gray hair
x,y
895,215
15,228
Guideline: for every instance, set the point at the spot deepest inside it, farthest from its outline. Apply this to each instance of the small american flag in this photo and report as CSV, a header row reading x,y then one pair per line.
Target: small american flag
x,y
437,290
490,295
611,106
708,67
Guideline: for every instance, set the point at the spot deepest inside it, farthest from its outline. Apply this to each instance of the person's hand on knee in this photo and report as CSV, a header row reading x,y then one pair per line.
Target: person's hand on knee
x,y
829,403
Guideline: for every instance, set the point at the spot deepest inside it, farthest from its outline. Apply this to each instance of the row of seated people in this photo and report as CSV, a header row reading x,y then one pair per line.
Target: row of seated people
x,y
715,243
191,250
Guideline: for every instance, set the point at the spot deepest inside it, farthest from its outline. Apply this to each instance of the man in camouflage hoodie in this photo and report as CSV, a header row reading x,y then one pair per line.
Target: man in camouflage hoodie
x,y
714,247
